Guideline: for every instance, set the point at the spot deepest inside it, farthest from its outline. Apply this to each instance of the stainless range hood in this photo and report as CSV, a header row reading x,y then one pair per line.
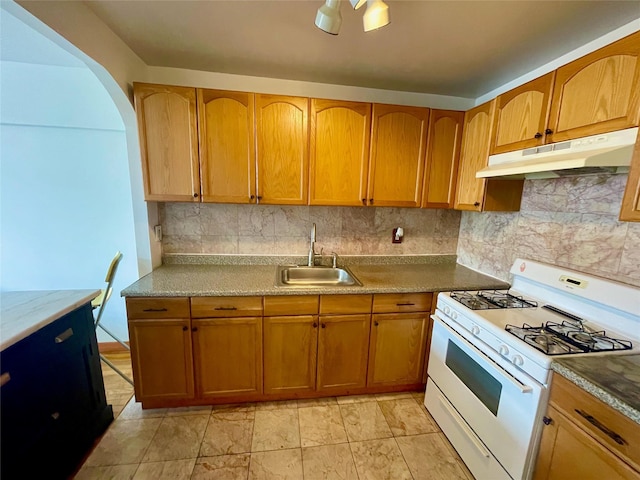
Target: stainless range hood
x,y
606,153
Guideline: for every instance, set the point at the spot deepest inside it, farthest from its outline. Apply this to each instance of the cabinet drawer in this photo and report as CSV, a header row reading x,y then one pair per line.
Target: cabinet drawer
x,y
161,307
345,304
207,307
402,302
291,305
612,429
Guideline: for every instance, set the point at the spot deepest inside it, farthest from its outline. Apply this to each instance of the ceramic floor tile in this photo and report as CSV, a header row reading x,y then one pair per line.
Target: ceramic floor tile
x,y
276,465
126,441
223,467
316,402
380,460
275,429
228,432
177,438
321,426
429,458
195,410
173,469
385,397
234,407
405,417
355,399
364,421
276,405
455,454
328,462
113,472
133,410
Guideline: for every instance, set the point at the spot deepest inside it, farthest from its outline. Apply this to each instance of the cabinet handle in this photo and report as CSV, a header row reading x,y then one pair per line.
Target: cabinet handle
x,y
593,421
66,335
476,204
405,304
537,135
194,329
4,379
548,131
225,308
315,325
547,420
195,195
184,329
375,322
154,310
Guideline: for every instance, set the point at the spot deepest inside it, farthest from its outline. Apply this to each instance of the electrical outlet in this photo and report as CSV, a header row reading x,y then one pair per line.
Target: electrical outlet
x,y
157,233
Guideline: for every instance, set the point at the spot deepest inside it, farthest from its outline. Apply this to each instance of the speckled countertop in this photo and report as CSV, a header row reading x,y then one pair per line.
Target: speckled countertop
x,y
614,379
217,277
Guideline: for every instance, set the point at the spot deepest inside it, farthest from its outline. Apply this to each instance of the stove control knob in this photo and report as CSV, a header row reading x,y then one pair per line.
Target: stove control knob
x,y
447,310
454,314
517,360
475,330
504,350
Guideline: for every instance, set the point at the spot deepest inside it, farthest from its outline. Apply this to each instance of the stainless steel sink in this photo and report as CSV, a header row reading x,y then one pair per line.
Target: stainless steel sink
x,y
297,276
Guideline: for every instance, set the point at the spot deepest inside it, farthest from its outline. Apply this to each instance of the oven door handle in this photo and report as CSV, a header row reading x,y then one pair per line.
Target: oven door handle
x,y
463,425
504,374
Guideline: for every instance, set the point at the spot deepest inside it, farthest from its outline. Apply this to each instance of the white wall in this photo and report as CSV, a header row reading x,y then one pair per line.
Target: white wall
x,y
65,191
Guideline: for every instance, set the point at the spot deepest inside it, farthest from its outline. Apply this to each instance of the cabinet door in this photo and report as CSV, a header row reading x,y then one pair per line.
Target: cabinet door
x,y
290,350
443,154
521,116
161,358
396,351
228,356
566,451
630,211
282,149
343,348
227,146
396,163
168,142
339,152
597,93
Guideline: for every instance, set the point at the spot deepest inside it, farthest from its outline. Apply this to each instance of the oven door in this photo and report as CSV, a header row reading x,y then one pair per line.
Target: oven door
x,y
479,395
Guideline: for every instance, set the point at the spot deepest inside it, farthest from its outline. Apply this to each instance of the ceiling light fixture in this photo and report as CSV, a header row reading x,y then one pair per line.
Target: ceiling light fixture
x,y
376,16
328,17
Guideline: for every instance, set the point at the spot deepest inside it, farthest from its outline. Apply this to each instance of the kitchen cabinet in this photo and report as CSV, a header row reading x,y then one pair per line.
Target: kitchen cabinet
x,y
481,194
630,210
443,154
339,152
584,438
398,340
227,146
161,349
521,116
282,149
597,93
396,161
223,336
167,127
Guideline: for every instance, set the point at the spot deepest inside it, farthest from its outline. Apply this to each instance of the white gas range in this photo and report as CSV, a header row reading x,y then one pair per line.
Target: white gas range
x,y
491,353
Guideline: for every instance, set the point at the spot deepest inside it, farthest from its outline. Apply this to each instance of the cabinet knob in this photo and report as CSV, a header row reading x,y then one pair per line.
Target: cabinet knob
x,y
184,329
375,323
195,195
537,135
371,201
476,204
315,325
252,197
259,197
323,325
548,131
547,420
194,329
55,415
364,201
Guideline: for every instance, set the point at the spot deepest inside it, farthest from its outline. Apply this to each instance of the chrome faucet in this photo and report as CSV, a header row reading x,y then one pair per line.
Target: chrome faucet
x,y
312,245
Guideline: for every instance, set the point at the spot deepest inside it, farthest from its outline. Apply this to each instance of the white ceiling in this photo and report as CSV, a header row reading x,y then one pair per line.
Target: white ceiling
x,y
457,48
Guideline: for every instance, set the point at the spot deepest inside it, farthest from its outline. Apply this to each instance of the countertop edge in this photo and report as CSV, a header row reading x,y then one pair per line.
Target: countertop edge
x,y
598,392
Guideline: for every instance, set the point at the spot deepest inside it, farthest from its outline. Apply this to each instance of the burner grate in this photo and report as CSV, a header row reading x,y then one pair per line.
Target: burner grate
x,y
490,299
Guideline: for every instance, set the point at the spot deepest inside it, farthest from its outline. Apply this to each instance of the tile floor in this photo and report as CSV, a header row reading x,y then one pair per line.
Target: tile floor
x,y
388,436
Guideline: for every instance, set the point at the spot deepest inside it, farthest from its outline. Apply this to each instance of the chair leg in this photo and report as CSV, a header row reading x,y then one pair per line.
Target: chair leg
x,y
116,369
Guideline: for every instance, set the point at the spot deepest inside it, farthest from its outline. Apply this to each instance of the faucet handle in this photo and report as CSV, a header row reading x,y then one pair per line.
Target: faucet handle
x,y
334,262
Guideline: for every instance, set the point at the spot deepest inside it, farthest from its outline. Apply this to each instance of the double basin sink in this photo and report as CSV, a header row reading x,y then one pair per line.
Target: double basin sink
x,y
303,276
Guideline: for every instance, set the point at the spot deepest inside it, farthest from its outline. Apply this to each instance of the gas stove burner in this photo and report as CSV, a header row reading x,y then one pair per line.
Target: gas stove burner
x,y
582,337
473,301
487,299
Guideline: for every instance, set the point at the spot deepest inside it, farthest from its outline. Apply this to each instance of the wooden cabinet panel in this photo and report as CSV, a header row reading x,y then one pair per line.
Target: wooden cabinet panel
x,y
396,351
345,304
343,345
630,210
282,139
204,307
339,152
227,146
228,356
396,163
157,307
168,142
161,357
443,154
597,93
521,116
402,302
290,351
291,305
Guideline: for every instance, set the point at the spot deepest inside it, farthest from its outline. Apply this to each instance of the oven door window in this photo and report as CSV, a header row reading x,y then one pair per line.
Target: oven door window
x,y
486,388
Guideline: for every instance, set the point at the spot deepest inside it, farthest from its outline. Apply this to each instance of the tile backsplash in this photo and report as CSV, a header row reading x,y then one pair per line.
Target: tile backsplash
x,y
570,222
284,230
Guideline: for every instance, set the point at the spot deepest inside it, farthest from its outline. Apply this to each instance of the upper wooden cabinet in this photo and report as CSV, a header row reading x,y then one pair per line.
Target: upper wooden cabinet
x,y
630,210
168,142
282,149
339,152
227,146
443,154
597,93
396,162
521,116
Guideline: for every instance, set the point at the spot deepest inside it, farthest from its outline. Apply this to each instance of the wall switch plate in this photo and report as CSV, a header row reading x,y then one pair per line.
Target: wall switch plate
x,y
157,233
